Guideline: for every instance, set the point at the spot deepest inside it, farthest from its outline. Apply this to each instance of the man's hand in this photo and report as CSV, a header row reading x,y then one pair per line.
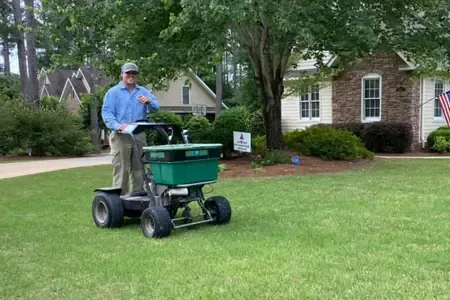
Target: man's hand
x,y
122,127
143,99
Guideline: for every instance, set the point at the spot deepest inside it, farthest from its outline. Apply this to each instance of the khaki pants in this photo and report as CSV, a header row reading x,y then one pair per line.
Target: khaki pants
x,y
127,171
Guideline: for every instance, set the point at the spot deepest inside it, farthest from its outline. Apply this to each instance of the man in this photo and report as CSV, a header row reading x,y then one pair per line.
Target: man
x,y
123,104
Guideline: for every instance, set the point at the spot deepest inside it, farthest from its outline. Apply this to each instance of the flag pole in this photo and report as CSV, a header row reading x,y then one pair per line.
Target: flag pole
x,y
428,101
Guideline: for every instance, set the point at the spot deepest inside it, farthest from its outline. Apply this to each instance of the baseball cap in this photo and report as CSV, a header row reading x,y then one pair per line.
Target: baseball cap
x,y
129,67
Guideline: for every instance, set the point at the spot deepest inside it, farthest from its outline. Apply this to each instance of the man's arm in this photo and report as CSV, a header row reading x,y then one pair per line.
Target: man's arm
x,y
153,104
108,114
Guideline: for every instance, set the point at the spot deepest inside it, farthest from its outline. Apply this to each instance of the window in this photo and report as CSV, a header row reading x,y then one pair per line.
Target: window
x,y
185,95
371,98
438,90
310,103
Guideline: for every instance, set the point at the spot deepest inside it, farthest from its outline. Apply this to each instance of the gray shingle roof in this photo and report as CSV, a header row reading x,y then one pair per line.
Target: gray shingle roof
x,y
57,79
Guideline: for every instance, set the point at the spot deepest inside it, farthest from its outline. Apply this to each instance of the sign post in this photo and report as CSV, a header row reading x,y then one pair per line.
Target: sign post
x,y
242,141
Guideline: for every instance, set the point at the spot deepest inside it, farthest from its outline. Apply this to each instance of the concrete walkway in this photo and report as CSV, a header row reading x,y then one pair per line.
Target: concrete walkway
x,y
8,170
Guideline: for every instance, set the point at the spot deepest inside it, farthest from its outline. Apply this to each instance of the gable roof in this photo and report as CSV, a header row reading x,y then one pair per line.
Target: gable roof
x,y
205,87
55,81
89,73
308,66
76,85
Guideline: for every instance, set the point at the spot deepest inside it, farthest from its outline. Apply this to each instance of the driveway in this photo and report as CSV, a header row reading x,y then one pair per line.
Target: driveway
x,y
8,170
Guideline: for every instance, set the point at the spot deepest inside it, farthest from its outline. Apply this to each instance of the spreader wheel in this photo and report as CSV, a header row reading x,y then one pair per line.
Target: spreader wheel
x,y
155,222
220,209
107,210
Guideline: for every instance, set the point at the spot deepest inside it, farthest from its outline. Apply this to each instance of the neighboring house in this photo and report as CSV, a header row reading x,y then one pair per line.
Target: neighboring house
x,y
52,84
374,88
186,95
79,83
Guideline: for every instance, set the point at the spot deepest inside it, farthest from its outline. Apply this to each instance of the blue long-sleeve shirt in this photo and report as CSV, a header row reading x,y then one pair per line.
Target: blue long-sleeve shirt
x,y
122,107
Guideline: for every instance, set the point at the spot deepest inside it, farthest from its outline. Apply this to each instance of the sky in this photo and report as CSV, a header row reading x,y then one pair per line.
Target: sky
x,y
14,60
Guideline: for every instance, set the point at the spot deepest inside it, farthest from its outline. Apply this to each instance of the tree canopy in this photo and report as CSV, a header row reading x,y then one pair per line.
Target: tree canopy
x,y
168,36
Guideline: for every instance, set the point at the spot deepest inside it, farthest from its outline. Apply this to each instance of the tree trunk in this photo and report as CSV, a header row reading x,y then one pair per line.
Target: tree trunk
x,y
31,53
218,89
21,50
271,109
7,66
93,106
269,65
93,113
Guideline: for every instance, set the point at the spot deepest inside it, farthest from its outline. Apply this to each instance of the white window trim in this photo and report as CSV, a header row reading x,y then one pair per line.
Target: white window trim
x,y
189,94
434,91
299,105
371,119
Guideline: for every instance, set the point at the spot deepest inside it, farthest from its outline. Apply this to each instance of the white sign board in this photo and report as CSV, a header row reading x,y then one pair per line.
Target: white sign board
x,y
242,141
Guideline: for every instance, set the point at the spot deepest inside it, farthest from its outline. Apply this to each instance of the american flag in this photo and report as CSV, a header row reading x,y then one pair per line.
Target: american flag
x,y
444,101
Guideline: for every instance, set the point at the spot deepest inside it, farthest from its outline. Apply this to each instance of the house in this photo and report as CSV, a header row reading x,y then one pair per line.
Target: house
x,y
186,95
52,83
81,82
378,87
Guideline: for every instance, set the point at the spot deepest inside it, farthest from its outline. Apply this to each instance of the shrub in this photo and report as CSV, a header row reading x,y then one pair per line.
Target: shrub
x,y
432,138
7,123
377,137
166,117
295,140
45,131
50,102
10,87
331,143
270,158
234,119
199,129
388,137
356,128
327,143
155,138
256,124
85,109
259,144
441,144
185,118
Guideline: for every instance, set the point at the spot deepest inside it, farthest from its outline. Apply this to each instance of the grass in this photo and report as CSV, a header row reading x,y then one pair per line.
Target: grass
x,y
379,233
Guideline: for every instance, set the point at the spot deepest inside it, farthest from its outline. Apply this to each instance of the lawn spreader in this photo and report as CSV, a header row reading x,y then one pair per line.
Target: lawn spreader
x,y
174,176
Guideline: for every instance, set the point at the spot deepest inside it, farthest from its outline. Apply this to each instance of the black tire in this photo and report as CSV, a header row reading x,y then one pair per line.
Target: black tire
x,y
155,222
220,210
107,210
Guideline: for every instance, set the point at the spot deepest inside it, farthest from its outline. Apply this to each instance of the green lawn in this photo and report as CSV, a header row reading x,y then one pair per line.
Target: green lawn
x,y
379,233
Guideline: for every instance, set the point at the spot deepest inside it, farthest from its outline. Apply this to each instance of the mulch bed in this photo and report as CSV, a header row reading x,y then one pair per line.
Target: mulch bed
x,y
242,167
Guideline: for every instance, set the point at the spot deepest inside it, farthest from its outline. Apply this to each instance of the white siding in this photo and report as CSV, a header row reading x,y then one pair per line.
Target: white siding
x,y
308,64
290,110
429,122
